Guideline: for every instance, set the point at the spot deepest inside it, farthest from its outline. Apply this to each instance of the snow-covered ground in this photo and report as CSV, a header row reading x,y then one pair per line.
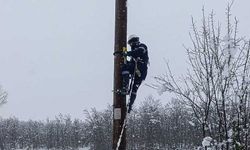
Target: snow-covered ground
x,y
86,148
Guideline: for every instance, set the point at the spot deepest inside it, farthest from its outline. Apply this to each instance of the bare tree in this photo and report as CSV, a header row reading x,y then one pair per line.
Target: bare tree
x,y
216,85
97,129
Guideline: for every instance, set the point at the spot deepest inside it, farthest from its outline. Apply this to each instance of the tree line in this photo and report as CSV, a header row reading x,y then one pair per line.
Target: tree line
x,y
150,126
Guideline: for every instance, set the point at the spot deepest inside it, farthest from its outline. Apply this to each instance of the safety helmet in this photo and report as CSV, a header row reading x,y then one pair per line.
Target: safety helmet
x,y
133,39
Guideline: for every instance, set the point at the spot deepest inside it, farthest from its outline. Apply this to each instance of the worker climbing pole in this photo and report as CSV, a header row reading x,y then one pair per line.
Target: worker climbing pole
x,y
133,71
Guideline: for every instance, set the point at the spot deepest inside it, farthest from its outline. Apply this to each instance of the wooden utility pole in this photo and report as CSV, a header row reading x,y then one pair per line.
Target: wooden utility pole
x,y
119,105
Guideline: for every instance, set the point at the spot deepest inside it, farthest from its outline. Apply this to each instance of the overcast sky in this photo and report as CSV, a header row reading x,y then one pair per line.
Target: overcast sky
x,y
56,55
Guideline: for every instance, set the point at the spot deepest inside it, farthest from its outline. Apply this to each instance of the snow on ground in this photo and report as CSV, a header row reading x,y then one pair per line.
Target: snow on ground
x,y
86,148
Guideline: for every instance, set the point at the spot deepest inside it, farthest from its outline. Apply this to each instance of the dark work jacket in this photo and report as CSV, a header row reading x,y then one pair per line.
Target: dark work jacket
x,y
139,53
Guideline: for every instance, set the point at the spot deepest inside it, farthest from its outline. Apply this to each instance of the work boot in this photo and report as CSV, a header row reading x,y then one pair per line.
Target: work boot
x,y
124,91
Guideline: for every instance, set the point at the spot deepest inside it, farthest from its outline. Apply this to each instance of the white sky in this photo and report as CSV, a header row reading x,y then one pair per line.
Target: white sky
x,y
56,55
